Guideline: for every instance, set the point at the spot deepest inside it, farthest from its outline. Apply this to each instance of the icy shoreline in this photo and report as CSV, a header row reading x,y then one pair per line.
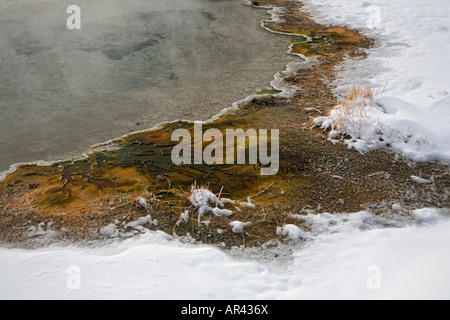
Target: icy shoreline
x,y
335,264
192,59
412,115
277,83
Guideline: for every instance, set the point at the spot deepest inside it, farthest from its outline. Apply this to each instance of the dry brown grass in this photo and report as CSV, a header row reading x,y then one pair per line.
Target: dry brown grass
x,y
359,92
353,105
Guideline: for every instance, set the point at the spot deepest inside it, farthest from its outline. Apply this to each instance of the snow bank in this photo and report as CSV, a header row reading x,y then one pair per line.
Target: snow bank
x,y
420,134
327,223
332,223
428,216
413,49
347,263
413,117
407,263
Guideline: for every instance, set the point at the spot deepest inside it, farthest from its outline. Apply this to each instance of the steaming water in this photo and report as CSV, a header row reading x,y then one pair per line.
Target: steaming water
x,y
133,64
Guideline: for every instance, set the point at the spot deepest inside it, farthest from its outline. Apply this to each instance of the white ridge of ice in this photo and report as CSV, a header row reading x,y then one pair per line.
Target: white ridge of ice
x,y
142,221
222,212
420,180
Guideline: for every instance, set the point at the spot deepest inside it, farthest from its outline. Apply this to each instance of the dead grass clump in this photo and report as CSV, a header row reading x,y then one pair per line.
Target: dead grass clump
x,y
352,106
359,92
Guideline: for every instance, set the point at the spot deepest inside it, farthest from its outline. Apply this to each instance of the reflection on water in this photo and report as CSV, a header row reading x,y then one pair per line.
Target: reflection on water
x,y
133,64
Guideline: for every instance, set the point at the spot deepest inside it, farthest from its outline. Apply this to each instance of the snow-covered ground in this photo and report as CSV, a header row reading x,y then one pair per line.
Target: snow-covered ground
x,y
411,61
343,259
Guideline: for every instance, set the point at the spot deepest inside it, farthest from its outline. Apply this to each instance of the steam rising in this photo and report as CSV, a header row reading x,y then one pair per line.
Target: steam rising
x,y
133,64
